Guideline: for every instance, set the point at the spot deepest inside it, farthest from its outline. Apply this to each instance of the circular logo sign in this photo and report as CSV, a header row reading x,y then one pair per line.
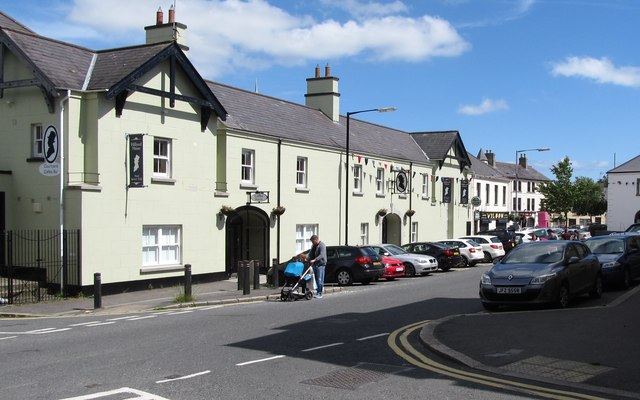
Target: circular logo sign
x,y
51,144
259,197
475,201
401,182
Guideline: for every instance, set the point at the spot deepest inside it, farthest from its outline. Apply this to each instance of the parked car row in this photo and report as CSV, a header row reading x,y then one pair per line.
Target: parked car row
x,y
555,271
364,264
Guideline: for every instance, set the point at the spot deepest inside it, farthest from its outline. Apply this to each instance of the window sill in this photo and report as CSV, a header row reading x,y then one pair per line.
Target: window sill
x,y
161,268
359,194
220,194
380,195
248,186
164,181
425,197
35,159
402,196
302,190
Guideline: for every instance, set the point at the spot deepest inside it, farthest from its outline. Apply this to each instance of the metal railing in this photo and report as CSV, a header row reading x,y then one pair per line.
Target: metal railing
x,y
40,265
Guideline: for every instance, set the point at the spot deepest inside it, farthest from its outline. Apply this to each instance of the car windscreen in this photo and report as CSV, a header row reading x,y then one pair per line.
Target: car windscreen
x,y
535,253
605,245
395,250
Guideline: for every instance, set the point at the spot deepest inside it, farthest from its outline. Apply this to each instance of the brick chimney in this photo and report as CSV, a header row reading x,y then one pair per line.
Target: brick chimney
x,y
523,161
171,31
322,93
491,158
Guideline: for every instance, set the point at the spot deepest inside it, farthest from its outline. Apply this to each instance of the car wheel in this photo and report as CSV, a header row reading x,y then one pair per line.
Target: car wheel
x,y
490,307
409,270
563,296
487,257
626,279
596,291
465,262
444,265
344,278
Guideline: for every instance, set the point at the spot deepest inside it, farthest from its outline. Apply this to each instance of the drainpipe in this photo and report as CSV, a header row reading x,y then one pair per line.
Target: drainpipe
x,y
61,193
278,199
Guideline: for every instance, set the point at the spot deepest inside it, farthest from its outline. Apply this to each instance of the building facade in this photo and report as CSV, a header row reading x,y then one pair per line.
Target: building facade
x,y
623,195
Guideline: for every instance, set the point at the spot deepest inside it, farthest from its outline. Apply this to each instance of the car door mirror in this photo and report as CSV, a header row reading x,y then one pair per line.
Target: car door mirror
x,y
572,260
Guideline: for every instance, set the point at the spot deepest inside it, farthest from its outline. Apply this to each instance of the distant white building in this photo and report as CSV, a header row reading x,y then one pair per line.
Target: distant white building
x,y
623,195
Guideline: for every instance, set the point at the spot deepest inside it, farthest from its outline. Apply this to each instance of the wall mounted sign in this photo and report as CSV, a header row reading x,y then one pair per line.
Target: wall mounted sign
x,y
136,165
401,182
464,191
257,197
50,150
446,190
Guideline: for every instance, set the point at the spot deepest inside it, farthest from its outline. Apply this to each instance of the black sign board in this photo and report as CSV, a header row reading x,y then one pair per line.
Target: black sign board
x,y
136,170
446,190
464,191
401,182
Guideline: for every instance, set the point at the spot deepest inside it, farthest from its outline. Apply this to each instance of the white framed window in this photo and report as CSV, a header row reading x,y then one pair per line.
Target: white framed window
x,y
414,231
380,181
364,233
495,194
248,167
162,157
425,186
37,140
161,245
303,233
301,172
487,191
638,187
504,195
357,178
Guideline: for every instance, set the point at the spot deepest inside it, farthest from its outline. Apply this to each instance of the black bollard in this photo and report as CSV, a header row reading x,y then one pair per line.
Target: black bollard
x,y
97,290
239,274
187,281
246,278
256,274
276,276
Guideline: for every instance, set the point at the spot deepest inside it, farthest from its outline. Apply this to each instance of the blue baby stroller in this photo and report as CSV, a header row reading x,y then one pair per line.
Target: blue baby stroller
x,y
298,282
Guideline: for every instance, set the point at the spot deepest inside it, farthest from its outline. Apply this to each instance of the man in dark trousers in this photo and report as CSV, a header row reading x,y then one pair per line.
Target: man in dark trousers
x,y
318,259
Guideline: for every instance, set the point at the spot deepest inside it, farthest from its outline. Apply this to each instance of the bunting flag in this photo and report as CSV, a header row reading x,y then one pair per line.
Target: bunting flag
x,y
374,163
366,161
359,158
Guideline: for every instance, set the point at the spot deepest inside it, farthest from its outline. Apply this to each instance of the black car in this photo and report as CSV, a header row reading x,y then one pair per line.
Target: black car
x,y
448,257
549,271
619,257
346,265
507,237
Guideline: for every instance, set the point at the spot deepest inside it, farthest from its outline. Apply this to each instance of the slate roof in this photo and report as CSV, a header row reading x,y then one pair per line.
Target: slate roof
x,y
111,66
483,170
529,173
632,165
65,65
10,23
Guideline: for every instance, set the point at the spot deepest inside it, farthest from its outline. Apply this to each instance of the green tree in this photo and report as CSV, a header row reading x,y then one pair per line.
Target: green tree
x,y
559,194
589,197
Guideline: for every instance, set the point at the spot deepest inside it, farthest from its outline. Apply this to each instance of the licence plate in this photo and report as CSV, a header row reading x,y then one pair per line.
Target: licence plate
x,y
399,269
456,253
509,290
376,263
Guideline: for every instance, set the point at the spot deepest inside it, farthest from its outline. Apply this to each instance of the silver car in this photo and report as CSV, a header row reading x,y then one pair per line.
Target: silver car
x,y
414,264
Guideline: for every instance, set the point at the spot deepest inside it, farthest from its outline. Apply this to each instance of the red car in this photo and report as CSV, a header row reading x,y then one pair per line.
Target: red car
x,y
393,268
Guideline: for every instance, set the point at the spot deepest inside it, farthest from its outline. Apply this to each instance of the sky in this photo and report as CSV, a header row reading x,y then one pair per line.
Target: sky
x,y
509,75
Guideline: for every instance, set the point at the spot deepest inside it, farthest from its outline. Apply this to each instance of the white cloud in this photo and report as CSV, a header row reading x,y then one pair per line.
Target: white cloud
x,y
227,35
485,107
600,70
361,9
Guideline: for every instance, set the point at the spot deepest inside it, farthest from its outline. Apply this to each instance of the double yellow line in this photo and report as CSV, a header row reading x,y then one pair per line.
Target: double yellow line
x,y
399,343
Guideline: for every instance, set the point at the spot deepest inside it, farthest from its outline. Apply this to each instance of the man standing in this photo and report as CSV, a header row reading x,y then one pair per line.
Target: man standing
x,y
318,259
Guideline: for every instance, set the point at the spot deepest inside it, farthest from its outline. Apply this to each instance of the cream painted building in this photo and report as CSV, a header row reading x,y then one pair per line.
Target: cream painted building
x,y
157,167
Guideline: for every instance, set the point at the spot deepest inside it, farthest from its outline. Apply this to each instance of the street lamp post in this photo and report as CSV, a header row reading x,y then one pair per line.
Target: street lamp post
x,y
346,170
516,209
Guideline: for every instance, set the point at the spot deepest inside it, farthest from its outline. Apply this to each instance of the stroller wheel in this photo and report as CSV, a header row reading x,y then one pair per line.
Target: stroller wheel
x,y
308,295
290,297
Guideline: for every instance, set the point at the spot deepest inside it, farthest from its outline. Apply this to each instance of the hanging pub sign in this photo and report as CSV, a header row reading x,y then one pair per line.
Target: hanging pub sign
x,y
136,170
401,182
446,190
464,191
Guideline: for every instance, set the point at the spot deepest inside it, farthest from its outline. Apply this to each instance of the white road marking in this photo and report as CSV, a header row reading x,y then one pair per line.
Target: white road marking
x,y
374,336
86,323
323,347
139,318
140,395
257,361
43,330
185,377
121,318
8,337
180,312
100,324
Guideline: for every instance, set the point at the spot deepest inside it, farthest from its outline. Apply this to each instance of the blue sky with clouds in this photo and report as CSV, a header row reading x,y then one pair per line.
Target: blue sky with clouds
x,y
508,74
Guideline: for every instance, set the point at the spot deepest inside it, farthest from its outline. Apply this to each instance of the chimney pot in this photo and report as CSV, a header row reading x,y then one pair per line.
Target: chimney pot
x,y
317,71
327,71
159,16
172,15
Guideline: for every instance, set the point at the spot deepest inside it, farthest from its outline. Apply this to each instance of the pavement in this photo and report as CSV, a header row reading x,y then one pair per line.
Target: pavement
x,y
589,348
